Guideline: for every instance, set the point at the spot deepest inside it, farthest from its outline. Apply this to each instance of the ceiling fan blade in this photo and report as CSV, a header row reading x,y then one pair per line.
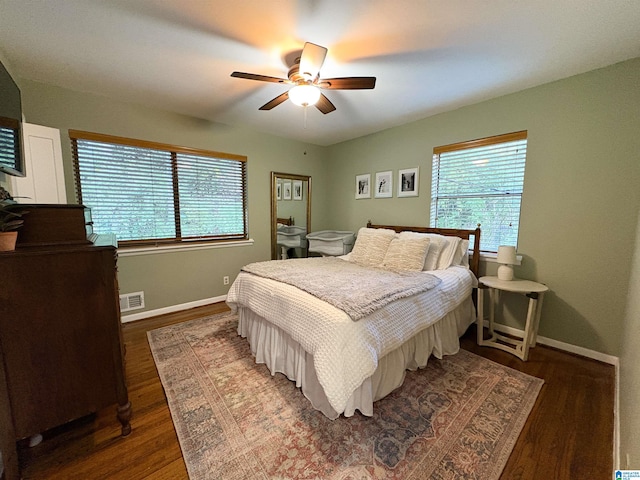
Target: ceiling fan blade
x,y
311,60
275,102
260,78
325,105
348,83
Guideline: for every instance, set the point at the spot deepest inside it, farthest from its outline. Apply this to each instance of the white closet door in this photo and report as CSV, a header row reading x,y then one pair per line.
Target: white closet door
x,y
44,180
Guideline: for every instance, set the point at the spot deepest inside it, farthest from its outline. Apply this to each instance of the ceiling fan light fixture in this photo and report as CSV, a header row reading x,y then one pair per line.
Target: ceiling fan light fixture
x,y
306,81
304,95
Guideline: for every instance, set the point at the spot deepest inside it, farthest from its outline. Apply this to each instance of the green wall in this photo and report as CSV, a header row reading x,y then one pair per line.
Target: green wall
x,y
581,194
177,278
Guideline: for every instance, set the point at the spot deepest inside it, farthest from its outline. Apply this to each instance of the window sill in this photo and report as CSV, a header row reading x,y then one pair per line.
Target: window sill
x,y
135,251
493,258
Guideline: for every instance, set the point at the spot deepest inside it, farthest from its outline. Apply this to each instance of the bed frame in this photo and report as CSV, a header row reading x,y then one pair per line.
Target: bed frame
x,y
285,221
474,259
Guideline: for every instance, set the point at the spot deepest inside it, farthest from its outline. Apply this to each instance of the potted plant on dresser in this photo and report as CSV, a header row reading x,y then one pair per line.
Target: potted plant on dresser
x,y
10,220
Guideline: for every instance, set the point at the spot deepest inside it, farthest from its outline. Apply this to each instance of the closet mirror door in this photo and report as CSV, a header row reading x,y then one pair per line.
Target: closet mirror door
x,y
290,215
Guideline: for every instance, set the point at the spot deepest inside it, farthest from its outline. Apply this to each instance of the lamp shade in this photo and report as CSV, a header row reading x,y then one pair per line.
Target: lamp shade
x,y
304,95
507,255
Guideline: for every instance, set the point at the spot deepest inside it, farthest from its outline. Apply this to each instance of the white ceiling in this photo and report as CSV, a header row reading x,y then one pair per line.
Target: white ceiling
x,y
429,56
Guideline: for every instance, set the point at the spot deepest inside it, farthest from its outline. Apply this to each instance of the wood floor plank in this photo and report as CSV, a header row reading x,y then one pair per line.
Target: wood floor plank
x,y
569,433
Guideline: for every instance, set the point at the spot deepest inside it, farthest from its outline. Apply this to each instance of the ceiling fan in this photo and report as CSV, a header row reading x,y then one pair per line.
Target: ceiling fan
x,y
304,75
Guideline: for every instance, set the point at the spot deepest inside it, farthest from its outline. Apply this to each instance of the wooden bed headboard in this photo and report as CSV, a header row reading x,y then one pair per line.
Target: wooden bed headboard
x,y
474,259
285,221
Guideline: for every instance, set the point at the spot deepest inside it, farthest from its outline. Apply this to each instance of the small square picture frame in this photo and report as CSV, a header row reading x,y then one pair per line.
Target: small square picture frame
x,y
363,186
286,190
384,184
408,181
297,189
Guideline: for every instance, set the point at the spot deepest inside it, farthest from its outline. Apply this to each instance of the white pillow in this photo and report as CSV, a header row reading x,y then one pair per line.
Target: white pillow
x,y
406,254
448,253
435,246
371,246
462,255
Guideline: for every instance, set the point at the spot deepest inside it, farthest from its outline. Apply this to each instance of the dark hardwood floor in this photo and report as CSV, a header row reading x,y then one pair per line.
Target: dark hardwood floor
x,y
569,434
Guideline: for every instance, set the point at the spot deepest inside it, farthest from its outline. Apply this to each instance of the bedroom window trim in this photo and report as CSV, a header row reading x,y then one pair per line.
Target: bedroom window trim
x,y
181,247
179,176
461,192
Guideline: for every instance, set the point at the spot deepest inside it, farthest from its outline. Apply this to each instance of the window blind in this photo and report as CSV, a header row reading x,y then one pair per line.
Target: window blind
x,y
150,193
212,196
9,143
480,182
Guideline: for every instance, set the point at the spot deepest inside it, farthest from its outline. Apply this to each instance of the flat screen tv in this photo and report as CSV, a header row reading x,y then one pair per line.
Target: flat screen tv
x,y
11,161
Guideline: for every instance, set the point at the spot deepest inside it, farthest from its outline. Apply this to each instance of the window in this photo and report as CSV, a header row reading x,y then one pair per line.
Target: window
x,y
10,159
149,193
480,182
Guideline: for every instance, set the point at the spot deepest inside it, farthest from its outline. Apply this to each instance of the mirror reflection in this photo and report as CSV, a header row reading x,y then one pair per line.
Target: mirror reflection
x,y
290,215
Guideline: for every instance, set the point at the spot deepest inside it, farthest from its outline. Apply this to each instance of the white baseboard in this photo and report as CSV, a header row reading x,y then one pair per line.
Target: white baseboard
x,y
172,309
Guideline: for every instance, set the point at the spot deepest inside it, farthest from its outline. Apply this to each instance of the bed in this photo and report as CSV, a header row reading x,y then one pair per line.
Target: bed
x,y
347,352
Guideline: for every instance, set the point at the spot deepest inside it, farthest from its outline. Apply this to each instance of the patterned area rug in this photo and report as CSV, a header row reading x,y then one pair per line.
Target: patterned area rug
x,y
458,418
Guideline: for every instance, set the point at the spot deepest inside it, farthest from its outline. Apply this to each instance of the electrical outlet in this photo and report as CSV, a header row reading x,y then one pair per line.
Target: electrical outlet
x,y
225,280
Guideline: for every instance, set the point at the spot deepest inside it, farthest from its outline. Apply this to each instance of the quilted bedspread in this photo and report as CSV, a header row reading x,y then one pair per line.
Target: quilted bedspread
x,y
346,352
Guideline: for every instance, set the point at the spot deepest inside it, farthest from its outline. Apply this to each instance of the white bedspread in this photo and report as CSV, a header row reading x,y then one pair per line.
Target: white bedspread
x,y
345,352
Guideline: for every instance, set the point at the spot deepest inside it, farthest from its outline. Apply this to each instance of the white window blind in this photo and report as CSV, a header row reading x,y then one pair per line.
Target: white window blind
x,y
480,182
148,193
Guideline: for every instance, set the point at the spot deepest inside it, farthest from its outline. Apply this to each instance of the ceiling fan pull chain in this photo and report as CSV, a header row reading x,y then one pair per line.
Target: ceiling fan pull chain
x,y
305,116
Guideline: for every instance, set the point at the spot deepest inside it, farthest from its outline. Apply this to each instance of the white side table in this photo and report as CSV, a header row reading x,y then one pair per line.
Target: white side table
x,y
534,290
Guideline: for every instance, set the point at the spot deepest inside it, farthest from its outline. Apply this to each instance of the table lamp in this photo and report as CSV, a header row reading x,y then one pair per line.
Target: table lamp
x,y
506,259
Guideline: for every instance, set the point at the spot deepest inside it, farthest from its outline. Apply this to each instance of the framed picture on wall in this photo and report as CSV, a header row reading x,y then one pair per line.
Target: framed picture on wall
x,y
384,184
408,182
297,189
363,186
286,190
279,191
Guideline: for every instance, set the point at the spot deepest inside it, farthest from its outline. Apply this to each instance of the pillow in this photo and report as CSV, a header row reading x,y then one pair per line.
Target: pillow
x,y
448,253
406,254
462,255
435,246
371,246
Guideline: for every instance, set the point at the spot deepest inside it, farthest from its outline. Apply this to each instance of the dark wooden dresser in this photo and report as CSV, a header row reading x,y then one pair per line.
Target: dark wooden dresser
x,y
61,344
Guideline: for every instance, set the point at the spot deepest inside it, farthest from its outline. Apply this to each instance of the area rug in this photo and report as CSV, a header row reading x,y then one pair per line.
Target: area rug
x,y
458,418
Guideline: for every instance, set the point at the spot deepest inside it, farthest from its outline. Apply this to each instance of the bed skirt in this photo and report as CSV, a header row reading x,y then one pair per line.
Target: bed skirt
x,y
281,354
